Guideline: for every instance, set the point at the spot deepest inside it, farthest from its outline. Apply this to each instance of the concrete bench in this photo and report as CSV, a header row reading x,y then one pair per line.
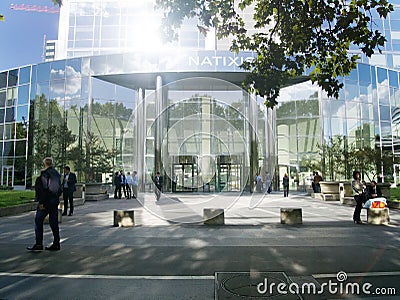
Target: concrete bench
x,y
378,216
213,216
291,216
124,218
46,220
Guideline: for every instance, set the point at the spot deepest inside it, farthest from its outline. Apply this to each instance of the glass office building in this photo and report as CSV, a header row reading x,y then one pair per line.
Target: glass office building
x,y
115,100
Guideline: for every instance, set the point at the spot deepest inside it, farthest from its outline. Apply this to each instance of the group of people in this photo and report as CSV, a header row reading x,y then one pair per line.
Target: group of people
x,y
48,189
363,193
127,183
260,187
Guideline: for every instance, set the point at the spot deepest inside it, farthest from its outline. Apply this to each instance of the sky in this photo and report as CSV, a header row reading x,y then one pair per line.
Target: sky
x,y
22,32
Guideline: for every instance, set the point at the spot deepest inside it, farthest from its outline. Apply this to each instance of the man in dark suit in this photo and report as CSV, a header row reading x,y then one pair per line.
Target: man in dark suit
x,y
158,182
69,188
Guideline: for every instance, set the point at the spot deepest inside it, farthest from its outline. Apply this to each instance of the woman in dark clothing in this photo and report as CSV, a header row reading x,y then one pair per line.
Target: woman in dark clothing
x,y
359,190
285,182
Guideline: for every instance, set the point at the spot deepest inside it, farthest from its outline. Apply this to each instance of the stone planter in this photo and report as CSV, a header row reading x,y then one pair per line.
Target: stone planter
x,y
93,188
329,187
79,190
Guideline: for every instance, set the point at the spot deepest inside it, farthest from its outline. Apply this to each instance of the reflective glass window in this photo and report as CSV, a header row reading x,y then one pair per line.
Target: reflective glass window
x,y
24,75
393,79
57,89
58,70
73,88
386,129
367,112
384,112
12,77
42,89
8,149
23,114
382,75
338,108
364,73
2,114
9,131
34,74
98,65
12,95
3,80
20,148
2,98
10,114
352,91
43,72
84,20
73,67
337,126
23,94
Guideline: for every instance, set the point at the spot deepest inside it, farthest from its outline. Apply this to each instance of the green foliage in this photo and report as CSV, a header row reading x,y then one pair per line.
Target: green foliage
x,y
293,36
11,198
339,159
57,2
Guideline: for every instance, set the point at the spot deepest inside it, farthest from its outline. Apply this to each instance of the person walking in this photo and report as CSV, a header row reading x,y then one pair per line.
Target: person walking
x,y
69,187
285,182
359,190
158,181
129,182
48,192
135,184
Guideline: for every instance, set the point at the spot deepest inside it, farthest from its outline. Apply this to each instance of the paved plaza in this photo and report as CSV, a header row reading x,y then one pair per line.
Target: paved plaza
x,y
171,254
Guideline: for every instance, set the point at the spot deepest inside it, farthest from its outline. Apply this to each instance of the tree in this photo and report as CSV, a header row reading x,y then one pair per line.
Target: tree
x,y
293,36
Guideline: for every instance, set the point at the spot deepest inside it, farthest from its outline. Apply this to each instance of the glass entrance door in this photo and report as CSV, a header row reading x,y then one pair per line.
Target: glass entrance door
x,y
229,176
185,175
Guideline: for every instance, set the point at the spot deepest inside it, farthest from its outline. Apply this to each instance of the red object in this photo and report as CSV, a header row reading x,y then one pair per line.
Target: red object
x,y
378,204
36,8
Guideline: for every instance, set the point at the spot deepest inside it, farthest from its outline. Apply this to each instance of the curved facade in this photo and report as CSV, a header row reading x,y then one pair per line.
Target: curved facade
x,y
183,115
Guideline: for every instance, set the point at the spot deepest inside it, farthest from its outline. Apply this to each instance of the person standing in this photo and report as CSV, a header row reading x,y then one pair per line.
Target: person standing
x,y
317,180
47,188
158,181
69,187
123,183
258,183
129,182
359,196
285,182
268,182
135,184
117,186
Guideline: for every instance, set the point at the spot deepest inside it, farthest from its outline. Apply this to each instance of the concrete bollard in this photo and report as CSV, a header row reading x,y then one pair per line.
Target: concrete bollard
x,y
124,218
46,220
291,216
213,216
378,216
